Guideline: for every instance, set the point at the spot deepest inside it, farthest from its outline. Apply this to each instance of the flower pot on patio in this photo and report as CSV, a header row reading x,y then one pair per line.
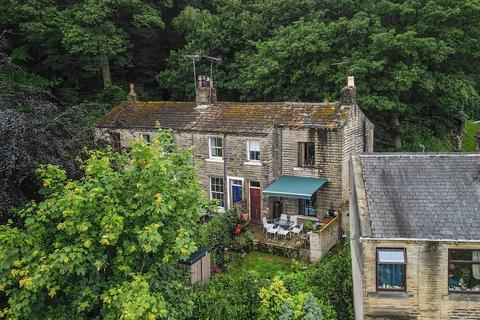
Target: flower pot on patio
x,y
245,216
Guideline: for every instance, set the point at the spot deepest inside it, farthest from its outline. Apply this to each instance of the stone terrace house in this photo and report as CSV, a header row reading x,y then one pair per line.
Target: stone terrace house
x,y
276,157
415,229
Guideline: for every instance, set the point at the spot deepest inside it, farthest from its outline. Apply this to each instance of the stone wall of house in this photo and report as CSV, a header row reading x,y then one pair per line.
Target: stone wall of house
x,y
328,157
426,295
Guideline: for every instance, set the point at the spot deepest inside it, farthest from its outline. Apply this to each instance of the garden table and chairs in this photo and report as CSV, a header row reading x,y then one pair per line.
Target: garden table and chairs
x,y
282,226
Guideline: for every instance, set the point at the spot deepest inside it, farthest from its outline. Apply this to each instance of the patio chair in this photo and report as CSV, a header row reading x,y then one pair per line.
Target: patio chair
x,y
297,229
294,220
273,230
283,232
266,225
283,216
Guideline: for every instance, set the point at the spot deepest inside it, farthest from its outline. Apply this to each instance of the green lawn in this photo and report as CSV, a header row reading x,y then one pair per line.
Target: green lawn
x,y
264,263
470,132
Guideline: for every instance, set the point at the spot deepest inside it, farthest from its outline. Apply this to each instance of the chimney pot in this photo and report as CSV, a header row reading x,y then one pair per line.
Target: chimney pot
x,y
351,81
132,96
205,93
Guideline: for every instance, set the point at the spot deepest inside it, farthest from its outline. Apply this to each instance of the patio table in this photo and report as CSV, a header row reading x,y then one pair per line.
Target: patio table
x,y
285,224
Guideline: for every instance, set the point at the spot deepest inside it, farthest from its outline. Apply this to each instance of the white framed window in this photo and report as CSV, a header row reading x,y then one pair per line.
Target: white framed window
x,y
215,147
253,150
217,190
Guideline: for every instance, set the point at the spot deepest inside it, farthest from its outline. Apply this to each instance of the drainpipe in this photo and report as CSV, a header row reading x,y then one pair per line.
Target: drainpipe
x,y
281,151
225,182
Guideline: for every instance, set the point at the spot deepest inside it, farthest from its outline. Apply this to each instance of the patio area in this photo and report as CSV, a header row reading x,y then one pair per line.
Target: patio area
x,y
310,249
292,247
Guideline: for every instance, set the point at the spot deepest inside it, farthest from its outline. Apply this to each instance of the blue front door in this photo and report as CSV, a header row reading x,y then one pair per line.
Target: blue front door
x,y
236,191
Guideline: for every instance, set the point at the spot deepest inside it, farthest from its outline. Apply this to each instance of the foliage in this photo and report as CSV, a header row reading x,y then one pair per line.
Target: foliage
x,y
278,303
105,246
230,296
35,130
218,233
274,297
243,242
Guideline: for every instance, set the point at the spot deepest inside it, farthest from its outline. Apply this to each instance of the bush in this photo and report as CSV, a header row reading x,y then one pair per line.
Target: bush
x,y
228,297
218,233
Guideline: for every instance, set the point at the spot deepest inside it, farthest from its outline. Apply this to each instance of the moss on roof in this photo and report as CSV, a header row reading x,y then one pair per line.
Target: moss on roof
x,y
253,117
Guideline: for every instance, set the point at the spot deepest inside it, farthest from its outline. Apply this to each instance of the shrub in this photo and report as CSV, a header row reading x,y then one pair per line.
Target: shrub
x,y
218,233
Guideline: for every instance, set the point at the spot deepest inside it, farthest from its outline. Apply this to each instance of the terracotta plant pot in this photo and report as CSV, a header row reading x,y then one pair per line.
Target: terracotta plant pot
x,y
245,216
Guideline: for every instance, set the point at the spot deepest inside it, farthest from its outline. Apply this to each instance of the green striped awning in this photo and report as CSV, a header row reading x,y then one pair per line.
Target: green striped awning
x,y
294,187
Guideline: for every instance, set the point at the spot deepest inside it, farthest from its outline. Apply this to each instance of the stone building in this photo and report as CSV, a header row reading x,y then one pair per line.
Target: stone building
x,y
274,157
415,230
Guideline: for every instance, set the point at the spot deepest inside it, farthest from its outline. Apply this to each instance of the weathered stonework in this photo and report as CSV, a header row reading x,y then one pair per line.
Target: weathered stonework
x,y
426,295
336,130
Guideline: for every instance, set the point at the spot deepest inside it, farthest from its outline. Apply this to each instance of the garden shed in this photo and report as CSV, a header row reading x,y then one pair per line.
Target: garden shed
x,y
198,264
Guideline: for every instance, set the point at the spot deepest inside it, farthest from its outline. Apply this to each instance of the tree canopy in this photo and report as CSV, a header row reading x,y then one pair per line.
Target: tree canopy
x,y
105,246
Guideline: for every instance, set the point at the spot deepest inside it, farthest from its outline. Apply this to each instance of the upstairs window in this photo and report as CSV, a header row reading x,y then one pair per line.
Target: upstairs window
x,y
253,150
464,271
391,265
115,141
217,190
215,147
146,137
306,154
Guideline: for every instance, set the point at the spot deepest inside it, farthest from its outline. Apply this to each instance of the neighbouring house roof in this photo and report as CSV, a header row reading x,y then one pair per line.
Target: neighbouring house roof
x,y
422,196
224,117
294,187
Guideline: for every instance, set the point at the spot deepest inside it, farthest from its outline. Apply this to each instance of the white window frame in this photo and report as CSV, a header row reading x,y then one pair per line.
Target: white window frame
x,y
210,156
229,187
223,193
248,151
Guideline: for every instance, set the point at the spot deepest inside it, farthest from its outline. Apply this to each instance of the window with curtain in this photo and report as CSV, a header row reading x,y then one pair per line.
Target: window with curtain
x,y
464,270
391,269
115,141
306,154
253,150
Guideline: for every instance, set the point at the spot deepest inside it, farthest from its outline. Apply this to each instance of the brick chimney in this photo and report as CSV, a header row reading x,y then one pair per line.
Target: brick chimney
x,y
205,93
349,93
132,96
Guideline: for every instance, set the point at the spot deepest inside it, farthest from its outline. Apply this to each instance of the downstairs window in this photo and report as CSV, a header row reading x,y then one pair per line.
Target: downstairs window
x,y
391,273
464,270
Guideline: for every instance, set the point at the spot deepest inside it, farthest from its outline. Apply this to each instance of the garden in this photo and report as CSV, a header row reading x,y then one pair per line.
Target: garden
x,y
249,284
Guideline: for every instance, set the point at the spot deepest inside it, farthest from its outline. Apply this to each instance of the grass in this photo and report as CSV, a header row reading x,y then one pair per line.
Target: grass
x,y
469,134
268,265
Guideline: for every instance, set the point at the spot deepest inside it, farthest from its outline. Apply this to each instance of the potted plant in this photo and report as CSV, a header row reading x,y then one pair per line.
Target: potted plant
x,y
244,210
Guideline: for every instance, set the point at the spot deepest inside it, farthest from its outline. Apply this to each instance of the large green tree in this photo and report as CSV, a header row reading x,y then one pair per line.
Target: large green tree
x,y
91,33
105,246
416,62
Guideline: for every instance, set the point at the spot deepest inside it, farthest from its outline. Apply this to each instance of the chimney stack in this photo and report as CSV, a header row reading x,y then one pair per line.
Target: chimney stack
x,y
132,96
205,93
349,94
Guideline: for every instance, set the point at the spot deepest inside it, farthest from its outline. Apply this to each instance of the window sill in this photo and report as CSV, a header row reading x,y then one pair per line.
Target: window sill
x,y
218,160
390,294
304,168
253,163
464,296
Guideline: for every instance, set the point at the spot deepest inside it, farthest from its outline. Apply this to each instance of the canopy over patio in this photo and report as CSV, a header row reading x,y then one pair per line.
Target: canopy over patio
x,y
294,187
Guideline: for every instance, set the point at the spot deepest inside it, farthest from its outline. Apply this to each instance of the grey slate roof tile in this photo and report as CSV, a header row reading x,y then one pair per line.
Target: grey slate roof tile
x,y
427,196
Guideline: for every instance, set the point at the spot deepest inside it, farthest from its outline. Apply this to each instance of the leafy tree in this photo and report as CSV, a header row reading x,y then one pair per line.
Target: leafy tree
x,y
95,31
105,246
273,300
35,130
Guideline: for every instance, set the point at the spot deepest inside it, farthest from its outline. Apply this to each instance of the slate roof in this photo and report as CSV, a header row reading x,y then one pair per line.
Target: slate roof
x,y
225,116
423,196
